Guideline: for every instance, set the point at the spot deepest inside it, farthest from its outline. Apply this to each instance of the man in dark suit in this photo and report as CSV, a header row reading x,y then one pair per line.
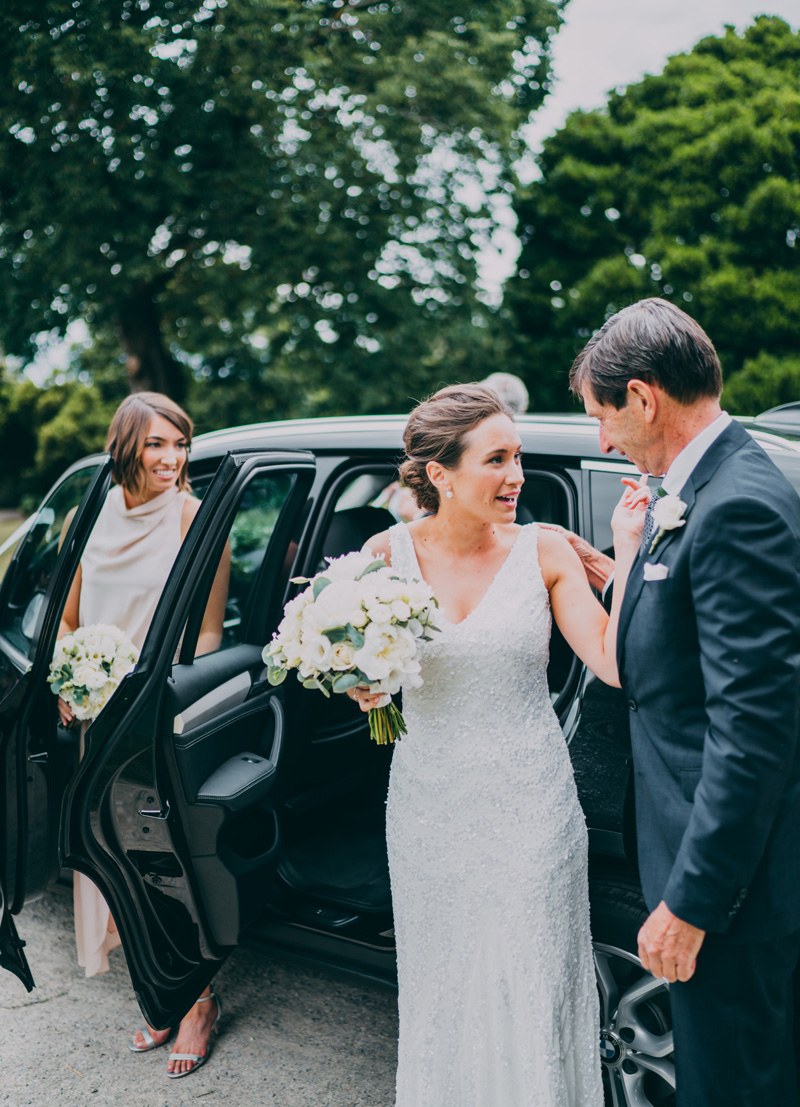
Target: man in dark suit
x,y
709,657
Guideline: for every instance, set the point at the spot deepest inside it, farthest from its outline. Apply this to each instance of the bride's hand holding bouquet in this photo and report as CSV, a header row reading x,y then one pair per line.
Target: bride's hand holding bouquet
x,y
356,629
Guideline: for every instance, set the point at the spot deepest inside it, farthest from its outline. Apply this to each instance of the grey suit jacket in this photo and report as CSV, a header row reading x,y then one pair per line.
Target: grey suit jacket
x,y
710,662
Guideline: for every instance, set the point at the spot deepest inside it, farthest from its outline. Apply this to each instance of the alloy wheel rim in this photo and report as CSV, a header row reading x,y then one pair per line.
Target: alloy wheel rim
x,y
636,1044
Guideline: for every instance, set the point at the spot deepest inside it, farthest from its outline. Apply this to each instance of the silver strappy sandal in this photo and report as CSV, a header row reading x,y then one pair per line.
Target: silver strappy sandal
x,y
199,1059
150,1041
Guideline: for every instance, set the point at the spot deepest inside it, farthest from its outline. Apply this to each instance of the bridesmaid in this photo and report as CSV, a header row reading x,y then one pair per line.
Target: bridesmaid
x,y
119,581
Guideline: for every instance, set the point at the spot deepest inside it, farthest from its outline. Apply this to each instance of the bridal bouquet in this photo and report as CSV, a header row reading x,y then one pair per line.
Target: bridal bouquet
x,y
87,666
357,624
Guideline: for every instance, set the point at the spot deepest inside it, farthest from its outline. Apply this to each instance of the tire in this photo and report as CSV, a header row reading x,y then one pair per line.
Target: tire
x,y
636,1047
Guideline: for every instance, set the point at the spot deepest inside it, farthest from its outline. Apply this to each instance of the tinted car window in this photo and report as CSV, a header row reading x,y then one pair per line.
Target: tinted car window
x,y
248,539
10,547
605,493
36,560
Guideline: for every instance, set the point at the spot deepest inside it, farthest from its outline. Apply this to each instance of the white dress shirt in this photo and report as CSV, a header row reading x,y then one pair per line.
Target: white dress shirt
x,y
689,458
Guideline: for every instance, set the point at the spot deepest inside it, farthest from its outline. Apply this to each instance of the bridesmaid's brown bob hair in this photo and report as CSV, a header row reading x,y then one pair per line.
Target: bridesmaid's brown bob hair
x,y
128,433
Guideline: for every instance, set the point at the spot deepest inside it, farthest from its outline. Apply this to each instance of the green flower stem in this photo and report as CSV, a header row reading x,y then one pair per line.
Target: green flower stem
x,y
386,724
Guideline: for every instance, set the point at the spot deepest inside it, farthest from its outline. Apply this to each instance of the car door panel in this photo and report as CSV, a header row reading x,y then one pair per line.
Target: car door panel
x,y
170,812
34,586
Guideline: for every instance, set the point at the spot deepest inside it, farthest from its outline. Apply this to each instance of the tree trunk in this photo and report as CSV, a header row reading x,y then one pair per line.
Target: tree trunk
x,y
149,364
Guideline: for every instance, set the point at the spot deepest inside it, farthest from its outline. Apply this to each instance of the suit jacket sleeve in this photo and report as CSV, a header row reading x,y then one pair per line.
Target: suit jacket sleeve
x,y
745,581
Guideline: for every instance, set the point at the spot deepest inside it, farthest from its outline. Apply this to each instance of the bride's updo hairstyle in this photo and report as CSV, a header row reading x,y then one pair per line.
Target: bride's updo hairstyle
x,y
437,430
128,433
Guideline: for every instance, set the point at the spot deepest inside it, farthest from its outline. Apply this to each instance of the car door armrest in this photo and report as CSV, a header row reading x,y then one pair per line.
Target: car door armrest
x,y
239,781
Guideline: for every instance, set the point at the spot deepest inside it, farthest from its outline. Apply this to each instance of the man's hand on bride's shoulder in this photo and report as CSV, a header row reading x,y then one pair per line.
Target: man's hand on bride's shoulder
x,y
597,566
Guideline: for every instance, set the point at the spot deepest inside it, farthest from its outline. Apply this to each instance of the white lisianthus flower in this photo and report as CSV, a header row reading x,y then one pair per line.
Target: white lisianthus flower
x,y
384,647
314,656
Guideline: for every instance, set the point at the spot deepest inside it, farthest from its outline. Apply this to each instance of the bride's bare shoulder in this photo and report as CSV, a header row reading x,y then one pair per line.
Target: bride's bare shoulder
x,y
380,545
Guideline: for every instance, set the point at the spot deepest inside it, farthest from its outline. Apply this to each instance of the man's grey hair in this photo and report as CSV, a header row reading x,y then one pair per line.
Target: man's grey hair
x,y
654,341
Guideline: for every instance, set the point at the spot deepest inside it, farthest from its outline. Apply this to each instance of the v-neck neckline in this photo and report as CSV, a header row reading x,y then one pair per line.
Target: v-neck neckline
x,y
489,587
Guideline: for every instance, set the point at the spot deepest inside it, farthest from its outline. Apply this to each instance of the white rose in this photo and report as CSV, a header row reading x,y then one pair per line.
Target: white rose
x,y
87,675
347,567
336,606
120,668
342,656
380,613
668,513
401,611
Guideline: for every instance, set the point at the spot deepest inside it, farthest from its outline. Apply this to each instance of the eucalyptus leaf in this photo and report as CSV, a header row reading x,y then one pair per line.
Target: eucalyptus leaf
x,y
320,584
354,636
344,682
373,567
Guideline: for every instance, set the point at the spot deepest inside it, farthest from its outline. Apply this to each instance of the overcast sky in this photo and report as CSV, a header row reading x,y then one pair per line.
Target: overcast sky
x,y
608,43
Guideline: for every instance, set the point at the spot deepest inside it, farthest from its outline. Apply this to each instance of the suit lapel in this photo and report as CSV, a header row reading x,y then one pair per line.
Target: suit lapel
x,y
731,440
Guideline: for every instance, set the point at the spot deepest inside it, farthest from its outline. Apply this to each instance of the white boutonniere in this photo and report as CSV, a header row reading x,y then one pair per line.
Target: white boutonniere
x,y
667,515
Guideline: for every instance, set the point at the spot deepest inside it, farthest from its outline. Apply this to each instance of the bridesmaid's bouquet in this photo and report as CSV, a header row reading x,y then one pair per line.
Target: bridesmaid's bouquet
x,y
357,624
87,666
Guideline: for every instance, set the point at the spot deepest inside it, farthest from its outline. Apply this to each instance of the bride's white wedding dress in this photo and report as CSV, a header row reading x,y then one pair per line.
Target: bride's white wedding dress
x,y
488,860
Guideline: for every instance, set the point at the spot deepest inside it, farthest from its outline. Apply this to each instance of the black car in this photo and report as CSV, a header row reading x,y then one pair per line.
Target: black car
x,y
210,807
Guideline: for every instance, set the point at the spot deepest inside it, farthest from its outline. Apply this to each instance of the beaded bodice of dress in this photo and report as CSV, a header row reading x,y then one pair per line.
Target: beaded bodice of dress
x,y
488,673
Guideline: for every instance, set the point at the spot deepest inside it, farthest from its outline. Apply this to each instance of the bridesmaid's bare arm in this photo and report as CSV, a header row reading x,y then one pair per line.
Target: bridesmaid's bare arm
x,y
210,636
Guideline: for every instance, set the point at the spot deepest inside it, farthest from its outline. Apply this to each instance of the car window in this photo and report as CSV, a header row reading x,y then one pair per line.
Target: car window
x,y
543,499
37,554
11,545
606,490
373,500
248,539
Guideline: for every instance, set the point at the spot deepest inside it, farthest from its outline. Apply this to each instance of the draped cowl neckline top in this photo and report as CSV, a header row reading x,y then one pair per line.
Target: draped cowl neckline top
x,y
127,560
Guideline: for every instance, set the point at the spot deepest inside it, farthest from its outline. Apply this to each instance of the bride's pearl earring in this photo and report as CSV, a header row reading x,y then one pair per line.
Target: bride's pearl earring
x,y
449,493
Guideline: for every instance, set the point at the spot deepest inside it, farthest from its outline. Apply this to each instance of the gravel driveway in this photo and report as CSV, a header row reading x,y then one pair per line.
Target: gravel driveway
x,y
288,1036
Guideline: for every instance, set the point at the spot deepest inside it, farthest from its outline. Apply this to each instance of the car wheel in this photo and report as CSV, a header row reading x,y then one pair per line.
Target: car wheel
x,y
636,1048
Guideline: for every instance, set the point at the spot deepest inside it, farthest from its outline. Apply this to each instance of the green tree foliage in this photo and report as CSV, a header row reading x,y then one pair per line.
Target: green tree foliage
x,y
282,198
687,186
43,430
763,382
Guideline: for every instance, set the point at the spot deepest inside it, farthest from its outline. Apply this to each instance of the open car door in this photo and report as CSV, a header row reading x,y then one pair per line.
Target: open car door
x,y
171,811
37,565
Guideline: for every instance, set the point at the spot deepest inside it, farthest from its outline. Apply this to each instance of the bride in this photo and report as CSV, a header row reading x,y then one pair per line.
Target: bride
x,y
487,842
